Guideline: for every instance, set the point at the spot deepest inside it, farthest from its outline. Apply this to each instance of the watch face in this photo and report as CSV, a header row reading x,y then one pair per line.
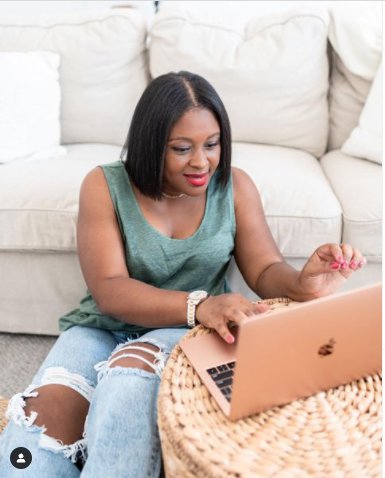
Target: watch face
x,y
198,295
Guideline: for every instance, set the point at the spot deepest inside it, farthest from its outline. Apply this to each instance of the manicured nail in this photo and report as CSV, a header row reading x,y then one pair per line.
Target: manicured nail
x,y
361,263
353,265
230,339
335,266
344,265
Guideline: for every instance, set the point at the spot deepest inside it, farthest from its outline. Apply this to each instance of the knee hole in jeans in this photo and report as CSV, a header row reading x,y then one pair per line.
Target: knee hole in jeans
x,y
141,355
61,410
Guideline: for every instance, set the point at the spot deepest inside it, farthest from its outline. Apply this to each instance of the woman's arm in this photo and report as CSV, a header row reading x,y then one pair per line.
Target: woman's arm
x,y
257,255
263,266
102,260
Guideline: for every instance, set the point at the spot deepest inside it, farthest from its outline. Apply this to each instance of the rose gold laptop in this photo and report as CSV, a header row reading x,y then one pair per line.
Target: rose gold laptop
x,y
292,352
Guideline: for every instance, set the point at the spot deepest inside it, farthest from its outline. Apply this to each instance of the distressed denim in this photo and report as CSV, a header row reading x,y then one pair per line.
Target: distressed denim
x,y
120,437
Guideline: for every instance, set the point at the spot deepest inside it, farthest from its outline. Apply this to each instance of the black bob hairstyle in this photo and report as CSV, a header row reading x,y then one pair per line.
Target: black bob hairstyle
x,y
161,105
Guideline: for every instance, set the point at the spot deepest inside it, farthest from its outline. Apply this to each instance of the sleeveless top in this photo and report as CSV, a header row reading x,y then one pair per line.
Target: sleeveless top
x,y
198,262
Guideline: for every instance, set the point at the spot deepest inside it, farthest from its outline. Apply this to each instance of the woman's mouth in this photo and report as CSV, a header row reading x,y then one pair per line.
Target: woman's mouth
x,y
197,179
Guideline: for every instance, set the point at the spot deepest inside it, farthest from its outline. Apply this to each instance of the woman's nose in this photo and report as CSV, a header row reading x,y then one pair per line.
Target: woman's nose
x,y
199,158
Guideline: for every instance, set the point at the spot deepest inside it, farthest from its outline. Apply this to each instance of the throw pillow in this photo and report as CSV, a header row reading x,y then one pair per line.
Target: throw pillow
x,y
356,35
365,140
29,106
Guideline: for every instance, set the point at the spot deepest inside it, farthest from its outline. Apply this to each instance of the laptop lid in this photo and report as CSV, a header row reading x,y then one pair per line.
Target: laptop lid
x,y
298,351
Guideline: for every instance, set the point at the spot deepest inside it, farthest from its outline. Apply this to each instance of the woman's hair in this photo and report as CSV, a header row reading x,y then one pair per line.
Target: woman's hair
x,y
162,104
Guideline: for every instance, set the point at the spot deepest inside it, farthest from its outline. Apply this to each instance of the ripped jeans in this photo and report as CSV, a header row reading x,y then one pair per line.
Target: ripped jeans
x,y
120,437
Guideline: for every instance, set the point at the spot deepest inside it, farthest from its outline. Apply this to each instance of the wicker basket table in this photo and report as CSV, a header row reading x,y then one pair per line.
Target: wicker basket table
x,y
332,434
3,407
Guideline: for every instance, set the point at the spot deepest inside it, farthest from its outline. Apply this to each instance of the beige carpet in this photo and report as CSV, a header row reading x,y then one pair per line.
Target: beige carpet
x,y
21,356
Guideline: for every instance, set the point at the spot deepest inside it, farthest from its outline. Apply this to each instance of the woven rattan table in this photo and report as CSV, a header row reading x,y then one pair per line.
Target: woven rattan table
x,y
3,407
332,434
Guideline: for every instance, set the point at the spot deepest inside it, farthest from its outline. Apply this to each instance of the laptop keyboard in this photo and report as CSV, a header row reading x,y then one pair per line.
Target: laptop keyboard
x,y
223,377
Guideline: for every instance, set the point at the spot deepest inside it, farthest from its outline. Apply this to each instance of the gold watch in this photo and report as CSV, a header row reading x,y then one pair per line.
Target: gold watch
x,y
193,300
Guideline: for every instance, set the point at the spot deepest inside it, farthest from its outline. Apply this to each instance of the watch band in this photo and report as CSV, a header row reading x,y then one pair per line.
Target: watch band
x,y
191,314
192,304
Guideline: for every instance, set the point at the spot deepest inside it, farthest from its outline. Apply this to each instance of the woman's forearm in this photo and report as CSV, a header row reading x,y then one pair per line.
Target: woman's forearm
x,y
280,280
135,302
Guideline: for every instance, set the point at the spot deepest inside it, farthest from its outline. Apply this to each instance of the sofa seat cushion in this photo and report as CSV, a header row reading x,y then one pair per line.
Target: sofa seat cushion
x,y
358,185
39,199
300,206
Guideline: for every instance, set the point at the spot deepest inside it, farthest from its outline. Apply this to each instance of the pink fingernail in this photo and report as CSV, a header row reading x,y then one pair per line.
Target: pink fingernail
x,y
344,265
353,265
334,265
230,339
361,263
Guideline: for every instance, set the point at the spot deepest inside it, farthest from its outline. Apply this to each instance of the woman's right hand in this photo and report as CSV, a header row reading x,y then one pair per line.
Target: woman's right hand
x,y
218,311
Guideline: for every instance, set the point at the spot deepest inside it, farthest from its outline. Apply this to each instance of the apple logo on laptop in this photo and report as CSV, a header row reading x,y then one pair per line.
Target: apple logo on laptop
x,y
327,349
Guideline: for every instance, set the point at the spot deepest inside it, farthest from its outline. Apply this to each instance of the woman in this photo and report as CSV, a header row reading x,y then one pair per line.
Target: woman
x,y
155,237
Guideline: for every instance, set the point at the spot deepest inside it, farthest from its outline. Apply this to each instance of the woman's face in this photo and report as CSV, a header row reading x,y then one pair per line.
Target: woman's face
x,y
193,153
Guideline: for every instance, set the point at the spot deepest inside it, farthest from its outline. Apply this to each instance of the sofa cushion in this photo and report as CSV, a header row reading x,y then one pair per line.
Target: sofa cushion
x,y
107,52
347,96
39,199
300,206
272,74
358,185
356,35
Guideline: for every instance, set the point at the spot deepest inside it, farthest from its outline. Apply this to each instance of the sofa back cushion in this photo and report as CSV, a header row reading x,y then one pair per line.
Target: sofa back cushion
x,y
102,67
272,74
365,140
347,96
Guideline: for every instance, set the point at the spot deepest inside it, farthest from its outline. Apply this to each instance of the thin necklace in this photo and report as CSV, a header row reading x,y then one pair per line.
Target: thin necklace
x,y
168,196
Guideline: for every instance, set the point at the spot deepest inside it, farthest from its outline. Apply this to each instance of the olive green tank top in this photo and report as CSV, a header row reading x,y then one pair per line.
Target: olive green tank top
x,y
198,262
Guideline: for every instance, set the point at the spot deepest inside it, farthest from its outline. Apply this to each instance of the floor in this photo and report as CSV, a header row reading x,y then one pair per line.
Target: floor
x,y
21,355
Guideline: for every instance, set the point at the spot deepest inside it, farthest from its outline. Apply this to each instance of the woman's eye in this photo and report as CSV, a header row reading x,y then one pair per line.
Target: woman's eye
x,y
186,149
180,149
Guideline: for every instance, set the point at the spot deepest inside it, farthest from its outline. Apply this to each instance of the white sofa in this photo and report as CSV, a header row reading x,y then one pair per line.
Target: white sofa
x,y
292,101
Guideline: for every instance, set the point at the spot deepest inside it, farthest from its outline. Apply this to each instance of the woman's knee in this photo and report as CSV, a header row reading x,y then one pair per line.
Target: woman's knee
x,y
60,410
145,355
57,408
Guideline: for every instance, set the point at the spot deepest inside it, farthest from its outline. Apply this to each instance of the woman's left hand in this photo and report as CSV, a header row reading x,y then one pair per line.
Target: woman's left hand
x,y
328,268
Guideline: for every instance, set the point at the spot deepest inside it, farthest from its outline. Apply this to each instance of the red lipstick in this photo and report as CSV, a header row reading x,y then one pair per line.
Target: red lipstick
x,y
197,179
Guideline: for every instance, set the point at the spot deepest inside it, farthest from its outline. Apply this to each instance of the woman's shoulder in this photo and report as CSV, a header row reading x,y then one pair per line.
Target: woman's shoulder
x,y
244,188
94,190
96,177
241,179
239,176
